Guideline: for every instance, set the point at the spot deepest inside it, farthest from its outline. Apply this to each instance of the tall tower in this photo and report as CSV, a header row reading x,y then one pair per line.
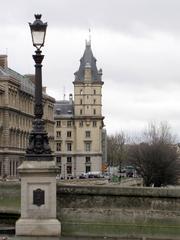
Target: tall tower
x,y
88,119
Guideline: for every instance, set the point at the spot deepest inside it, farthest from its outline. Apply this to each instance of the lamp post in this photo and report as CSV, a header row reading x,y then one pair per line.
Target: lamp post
x,y
38,148
38,171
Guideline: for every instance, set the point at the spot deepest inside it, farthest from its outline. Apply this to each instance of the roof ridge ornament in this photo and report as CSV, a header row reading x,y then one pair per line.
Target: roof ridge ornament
x,y
88,42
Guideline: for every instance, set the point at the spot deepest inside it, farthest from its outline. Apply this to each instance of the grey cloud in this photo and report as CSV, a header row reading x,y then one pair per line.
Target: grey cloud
x,y
136,42
130,16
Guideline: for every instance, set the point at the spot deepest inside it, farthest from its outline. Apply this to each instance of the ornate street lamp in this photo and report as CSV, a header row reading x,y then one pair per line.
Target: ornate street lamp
x,y
38,32
38,149
38,172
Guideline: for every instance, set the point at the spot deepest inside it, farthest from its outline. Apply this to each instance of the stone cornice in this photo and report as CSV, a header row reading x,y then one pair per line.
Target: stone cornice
x,y
73,154
88,118
83,82
17,111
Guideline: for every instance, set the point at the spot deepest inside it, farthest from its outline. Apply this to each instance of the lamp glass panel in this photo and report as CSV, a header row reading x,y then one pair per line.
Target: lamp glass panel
x,y
38,38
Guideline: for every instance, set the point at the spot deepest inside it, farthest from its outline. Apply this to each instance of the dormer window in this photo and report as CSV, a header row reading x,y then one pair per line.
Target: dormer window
x,y
58,111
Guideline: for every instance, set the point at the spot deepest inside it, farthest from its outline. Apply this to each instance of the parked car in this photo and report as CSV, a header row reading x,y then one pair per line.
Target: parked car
x,y
83,176
106,176
130,171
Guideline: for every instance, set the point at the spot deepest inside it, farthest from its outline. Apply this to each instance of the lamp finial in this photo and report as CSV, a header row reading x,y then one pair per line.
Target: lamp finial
x,y
38,16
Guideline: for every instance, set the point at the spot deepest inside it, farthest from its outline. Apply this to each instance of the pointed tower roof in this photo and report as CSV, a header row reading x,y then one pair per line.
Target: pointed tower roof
x,y
88,60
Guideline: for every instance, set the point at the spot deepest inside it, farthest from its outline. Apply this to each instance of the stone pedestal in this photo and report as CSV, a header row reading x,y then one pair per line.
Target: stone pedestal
x,y
38,199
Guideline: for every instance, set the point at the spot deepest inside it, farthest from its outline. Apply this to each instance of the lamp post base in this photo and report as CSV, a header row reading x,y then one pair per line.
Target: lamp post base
x,y
38,199
38,227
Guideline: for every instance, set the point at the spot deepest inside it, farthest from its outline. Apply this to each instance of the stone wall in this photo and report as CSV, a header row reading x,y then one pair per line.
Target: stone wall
x,y
133,213
114,211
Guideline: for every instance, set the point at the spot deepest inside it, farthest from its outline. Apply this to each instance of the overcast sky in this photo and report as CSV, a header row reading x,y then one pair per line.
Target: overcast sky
x,y
135,42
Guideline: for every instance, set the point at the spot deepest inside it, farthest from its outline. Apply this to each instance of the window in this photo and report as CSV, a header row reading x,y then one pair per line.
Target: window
x,y
94,91
81,123
88,159
80,111
87,146
94,123
58,159
58,111
94,111
81,101
69,170
88,134
58,146
81,91
69,123
88,168
58,123
58,134
59,169
94,101
68,134
69,146
69,159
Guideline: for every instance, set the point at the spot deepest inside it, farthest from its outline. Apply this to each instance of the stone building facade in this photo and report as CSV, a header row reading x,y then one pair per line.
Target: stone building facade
x,y
79,122
16,116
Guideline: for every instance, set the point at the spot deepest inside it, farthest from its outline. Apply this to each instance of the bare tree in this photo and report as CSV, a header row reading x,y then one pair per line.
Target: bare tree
x,y
117,152
156,158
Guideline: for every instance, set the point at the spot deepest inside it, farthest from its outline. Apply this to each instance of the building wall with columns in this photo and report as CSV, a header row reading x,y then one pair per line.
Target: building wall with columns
x,y
16,116
79,122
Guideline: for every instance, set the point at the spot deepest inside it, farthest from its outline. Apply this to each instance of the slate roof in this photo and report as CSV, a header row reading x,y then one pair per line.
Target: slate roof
x,y
64,108
88,60
26,84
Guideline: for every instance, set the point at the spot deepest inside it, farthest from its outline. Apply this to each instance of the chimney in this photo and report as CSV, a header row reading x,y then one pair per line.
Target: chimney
x,y
70,98
3,61
44,89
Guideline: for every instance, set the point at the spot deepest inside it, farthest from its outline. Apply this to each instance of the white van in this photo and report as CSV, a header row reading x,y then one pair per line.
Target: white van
x,y
94,174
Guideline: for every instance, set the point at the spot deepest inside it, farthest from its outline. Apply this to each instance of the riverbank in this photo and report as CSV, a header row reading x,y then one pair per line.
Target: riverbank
x,y
107,210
